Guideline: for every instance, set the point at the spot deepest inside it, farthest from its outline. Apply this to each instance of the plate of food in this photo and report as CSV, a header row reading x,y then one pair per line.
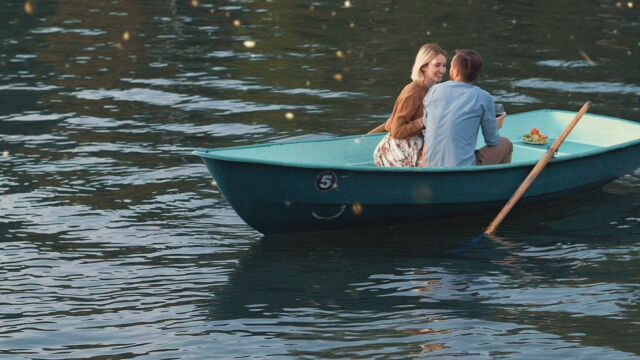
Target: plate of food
x,y
535,137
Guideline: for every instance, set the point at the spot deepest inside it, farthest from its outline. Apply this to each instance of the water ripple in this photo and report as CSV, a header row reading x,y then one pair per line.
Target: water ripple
x,y
55,29
217,129
35,116
182,101
231,84
27,87
580,87
115,243
566,63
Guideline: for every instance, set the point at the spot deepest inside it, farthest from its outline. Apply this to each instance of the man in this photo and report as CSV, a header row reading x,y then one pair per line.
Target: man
x,y
454,112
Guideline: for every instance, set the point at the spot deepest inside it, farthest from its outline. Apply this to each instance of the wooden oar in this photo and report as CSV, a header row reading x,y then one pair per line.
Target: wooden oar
x,y
536,171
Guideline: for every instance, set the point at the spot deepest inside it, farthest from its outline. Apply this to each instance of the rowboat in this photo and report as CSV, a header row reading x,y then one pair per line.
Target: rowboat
x,y
333,184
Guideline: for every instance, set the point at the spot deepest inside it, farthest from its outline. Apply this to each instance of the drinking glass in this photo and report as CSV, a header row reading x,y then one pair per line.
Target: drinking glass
x,y
499,110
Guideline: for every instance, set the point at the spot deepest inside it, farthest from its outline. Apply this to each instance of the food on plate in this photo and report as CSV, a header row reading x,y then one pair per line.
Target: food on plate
x,y
535,137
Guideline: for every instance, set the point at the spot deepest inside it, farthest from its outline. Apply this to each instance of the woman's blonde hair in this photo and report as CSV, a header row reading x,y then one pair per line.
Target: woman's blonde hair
x,y
426,53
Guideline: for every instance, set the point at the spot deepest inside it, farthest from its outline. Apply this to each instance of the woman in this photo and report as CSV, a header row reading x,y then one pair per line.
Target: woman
x,y
402,146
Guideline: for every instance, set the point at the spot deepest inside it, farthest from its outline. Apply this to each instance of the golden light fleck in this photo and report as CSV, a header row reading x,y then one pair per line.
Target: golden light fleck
x,y
619,5
308,83
421,332
249,44
586,58
333,13
347,4
237,23
5,154
195,3
339,54
337,77
214,183
357,209
311,8
118,45
213,11
28,8
422,194
352,24
289,115
126,36
429,348
227,14
630,4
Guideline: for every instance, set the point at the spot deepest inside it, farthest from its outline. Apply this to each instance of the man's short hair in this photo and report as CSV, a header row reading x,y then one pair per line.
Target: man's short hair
x,y
468,63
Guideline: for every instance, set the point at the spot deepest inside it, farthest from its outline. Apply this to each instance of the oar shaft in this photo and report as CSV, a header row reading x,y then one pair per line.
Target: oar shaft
x,y
536,171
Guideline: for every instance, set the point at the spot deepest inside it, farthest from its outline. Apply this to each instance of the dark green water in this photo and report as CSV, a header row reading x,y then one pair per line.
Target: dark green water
x,y
115,245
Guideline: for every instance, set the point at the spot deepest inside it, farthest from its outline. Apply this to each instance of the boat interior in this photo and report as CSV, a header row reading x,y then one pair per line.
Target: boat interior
x,y
592,134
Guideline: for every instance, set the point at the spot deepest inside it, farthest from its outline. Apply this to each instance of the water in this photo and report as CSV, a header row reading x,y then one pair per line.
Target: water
x,y
116,245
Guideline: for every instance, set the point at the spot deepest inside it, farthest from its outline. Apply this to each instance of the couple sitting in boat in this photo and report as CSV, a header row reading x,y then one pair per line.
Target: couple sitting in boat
x,y
437,125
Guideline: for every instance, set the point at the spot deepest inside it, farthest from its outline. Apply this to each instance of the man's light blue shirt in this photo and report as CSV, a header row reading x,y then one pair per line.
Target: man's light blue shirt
x,y
454,111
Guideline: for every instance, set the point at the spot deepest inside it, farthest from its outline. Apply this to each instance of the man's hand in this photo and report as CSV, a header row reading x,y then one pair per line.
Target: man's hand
x,y
501,120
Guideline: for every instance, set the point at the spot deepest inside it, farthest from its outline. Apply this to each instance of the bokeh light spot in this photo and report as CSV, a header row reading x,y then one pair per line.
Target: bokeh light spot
x,y
357,209
28,8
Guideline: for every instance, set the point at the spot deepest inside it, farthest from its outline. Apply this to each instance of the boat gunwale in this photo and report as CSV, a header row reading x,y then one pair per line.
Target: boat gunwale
x,y
207,153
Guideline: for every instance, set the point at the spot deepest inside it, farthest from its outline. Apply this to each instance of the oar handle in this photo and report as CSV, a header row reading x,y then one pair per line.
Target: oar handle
x,y
536,171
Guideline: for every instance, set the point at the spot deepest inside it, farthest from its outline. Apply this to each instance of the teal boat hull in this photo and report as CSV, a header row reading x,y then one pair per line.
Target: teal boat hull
x,y
273,194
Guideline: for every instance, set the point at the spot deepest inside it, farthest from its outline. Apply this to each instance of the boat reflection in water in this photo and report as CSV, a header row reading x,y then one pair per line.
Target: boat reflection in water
x,y
420,288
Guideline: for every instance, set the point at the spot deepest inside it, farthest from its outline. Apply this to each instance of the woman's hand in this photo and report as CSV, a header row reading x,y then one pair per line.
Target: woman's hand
x,y
379,129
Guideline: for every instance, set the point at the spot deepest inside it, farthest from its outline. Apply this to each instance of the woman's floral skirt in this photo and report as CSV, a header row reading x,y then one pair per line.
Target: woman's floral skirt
x,y
392,152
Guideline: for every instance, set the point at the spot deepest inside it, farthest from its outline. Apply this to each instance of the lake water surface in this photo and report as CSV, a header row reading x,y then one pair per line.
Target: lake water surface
x,y
114,244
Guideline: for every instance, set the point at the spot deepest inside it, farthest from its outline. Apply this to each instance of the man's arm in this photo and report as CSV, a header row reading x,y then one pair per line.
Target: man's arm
x,y
490,124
